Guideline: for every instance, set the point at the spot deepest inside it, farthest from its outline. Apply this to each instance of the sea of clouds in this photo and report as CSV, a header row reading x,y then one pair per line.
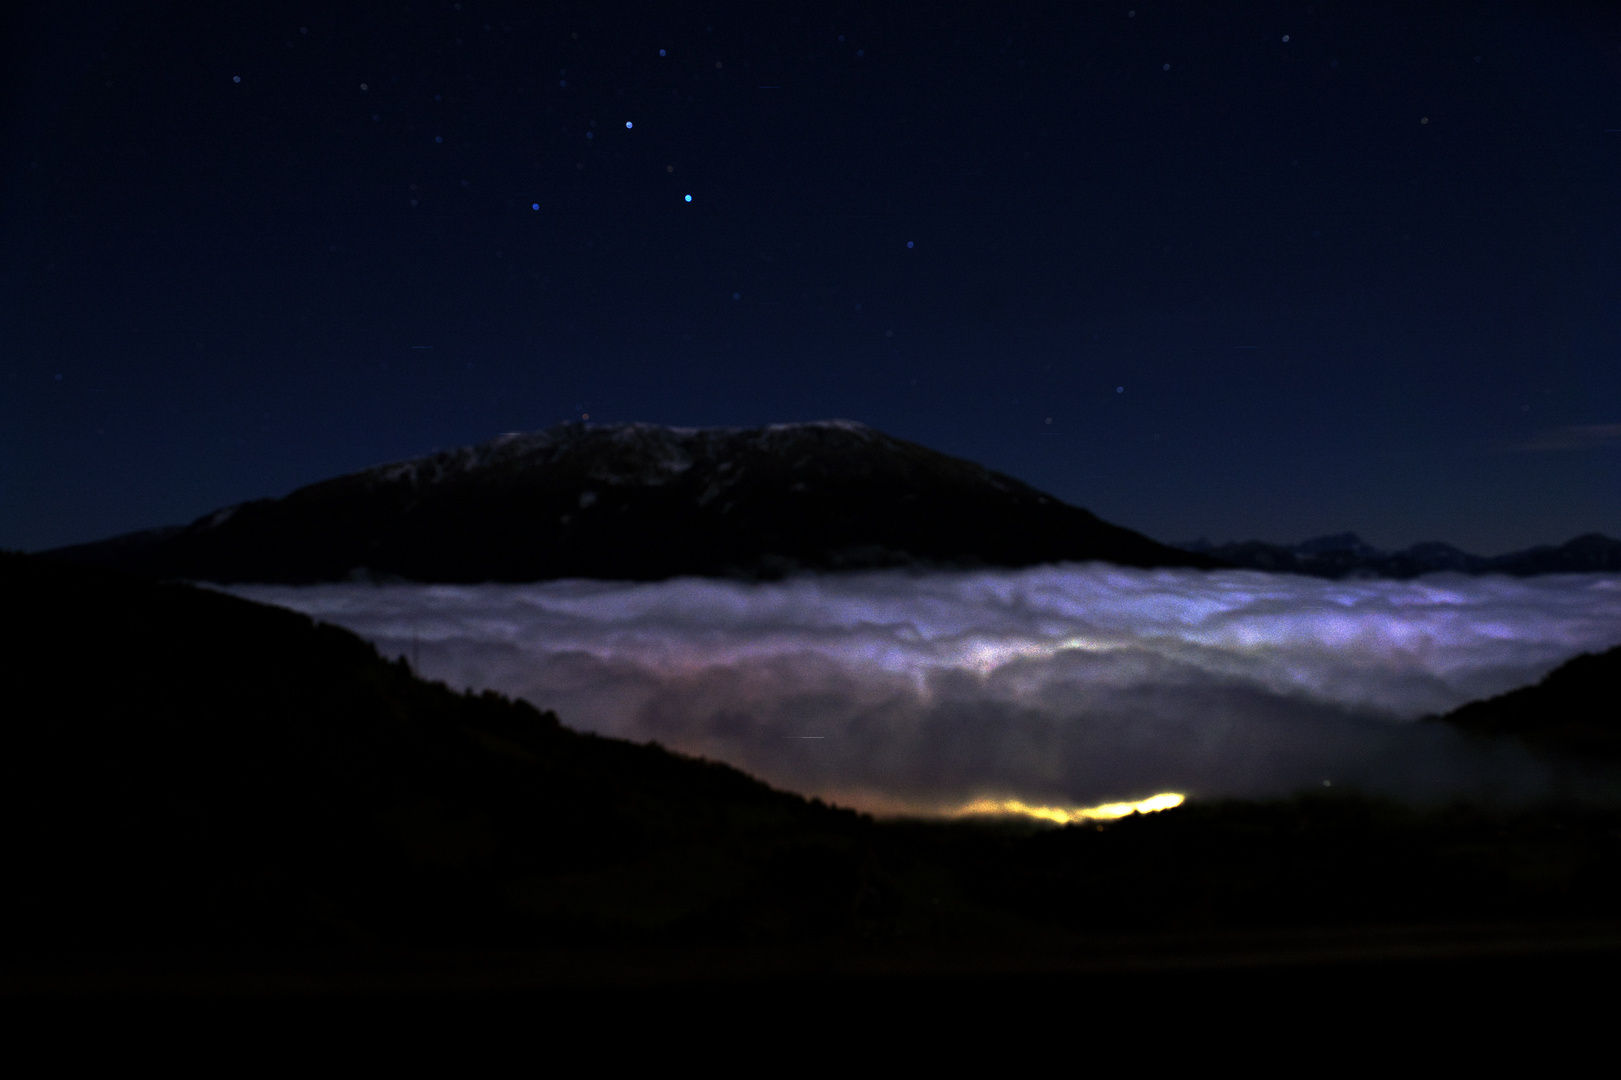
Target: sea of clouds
x,y
1061,685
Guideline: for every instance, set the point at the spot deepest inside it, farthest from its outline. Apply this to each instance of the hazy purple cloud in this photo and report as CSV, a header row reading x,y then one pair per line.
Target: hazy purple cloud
x,y
1057,685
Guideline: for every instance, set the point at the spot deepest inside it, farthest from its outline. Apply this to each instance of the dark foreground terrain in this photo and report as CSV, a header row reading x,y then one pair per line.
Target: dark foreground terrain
x,y
203,796
1575,711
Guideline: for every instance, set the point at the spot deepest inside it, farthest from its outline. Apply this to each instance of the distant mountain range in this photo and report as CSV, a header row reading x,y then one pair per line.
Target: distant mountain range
x,y
643,503
1346,555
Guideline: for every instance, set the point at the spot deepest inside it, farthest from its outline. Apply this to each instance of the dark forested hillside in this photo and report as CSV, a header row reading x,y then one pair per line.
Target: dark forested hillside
x,y
1575,709
186,768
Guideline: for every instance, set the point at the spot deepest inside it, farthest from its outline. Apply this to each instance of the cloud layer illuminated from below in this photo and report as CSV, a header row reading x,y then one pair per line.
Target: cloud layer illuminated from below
x,y
1056,687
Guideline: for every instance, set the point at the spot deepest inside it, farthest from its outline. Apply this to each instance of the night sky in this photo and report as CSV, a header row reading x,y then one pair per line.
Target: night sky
x,y
1247,271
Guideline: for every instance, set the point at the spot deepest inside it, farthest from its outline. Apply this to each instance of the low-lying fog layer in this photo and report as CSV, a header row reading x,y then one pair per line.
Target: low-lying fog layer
x,y
1064,686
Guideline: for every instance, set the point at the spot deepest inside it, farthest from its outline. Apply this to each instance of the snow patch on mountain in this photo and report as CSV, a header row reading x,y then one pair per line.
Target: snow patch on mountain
x,y
627,453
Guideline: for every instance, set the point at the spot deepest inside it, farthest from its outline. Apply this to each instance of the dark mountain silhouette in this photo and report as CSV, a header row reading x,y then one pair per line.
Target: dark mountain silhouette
x,y
639,502
184,770
1575,709
1347,555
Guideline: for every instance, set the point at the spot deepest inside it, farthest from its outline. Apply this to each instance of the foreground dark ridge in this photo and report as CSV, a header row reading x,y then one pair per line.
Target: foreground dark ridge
x,y
643,503
184,771
1346,555
1575,710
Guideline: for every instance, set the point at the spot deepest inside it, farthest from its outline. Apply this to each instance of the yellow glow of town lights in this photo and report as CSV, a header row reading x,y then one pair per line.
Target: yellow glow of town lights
x,y
1063,815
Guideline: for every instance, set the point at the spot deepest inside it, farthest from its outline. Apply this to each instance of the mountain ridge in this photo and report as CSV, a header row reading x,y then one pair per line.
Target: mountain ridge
x,y
1571,711
639,502
1347,555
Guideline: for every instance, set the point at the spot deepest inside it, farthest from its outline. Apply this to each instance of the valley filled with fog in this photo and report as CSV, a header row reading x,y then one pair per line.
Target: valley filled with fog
x,y
1059,685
